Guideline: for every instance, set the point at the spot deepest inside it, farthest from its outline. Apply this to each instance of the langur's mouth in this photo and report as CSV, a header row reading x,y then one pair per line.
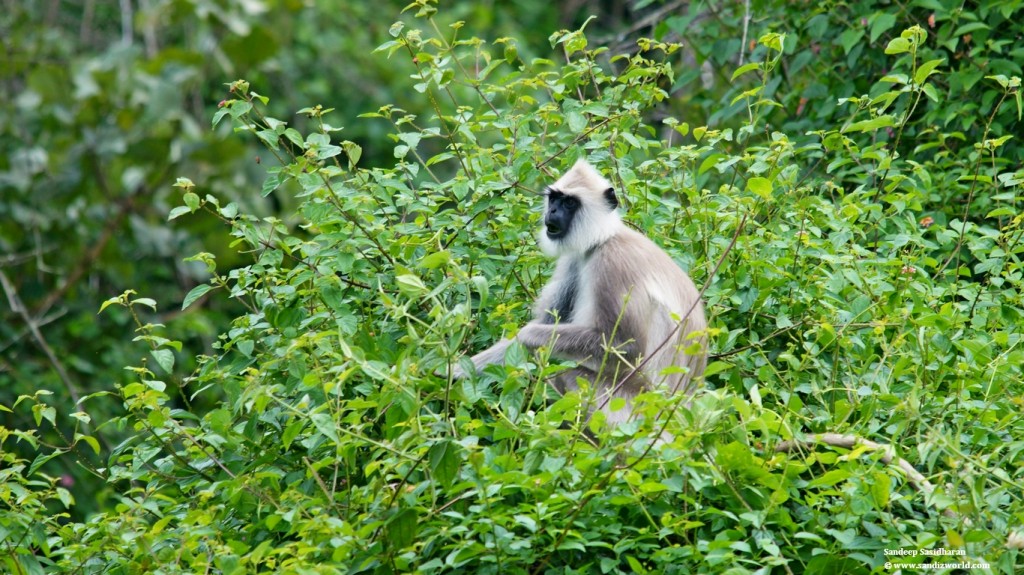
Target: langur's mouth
x,y
554,231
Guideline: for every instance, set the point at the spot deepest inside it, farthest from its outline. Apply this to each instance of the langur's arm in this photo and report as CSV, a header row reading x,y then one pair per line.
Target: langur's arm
x,y
489,356
572,341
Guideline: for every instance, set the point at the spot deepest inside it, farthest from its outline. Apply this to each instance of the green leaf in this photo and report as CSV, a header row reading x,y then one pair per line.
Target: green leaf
x,y
435,260
897,46
263,100
576,120
747,94
709,162
635,565
772,40
401,529
325,152
239,108
270,184
745,68
109,302
291,432
41,460
325,424
409,284
246,346
830,478
353,151
970,27
269,137
850,38
444,461
760,186
156,418
65,497
294,137
880,489
926,69
716,367
178,212
95,445
192,201
164,358
881,24
511,54
41,411
1000,79
871,125
195,293
649,487
221,113
148,302
81,416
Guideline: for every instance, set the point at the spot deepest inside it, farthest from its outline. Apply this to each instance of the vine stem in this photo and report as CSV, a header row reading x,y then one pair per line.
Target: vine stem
x,y
899,136
974,186
437,107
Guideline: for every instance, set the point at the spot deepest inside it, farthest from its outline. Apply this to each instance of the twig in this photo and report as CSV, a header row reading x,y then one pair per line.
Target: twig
x,y
970,194
85,262
645,22
39,323
126,22
18,307
9,260
696,300
775,333
671,336
746,23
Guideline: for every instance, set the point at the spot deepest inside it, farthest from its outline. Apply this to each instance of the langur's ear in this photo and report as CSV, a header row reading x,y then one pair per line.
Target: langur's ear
x,y
610,198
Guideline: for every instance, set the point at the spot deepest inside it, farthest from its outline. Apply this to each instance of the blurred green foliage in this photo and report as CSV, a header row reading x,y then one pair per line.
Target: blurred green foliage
x,y
863,156
101,109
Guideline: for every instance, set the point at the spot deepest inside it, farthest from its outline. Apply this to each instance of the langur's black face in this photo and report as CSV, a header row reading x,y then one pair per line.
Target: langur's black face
x,y
560,214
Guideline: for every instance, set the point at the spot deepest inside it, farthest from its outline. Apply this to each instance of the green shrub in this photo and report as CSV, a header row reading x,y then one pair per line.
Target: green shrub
x,y
847,298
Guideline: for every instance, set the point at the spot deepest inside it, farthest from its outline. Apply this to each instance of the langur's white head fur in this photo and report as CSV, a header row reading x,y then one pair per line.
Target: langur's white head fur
x,y
580,212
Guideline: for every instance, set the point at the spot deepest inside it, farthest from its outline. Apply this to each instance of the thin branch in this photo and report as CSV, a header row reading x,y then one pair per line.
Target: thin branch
x,y
9,260
86,262
39,323
686,391
18,307
127,16
774,334
700,296
970,194
149,29
647,21
746,24
85,30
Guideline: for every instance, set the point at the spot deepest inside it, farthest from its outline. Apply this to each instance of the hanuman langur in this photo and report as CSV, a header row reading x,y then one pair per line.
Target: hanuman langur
x,y
617,305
